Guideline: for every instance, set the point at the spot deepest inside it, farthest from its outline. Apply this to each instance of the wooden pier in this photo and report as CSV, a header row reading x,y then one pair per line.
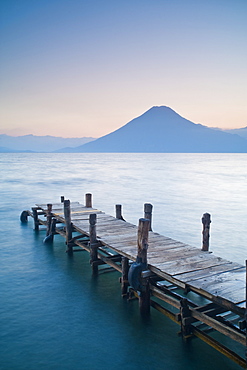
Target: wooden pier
x,y
157,269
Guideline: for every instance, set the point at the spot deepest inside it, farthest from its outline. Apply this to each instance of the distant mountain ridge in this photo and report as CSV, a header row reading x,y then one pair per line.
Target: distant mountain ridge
x,y
162,130
238,131
158,130
32,143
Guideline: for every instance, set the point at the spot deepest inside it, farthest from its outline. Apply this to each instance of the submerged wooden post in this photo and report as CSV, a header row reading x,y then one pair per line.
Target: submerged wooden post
x,y
142,242
53,228
93,242
185,318
88,200
68,225
119,212
35,218
124,279
205,232
148,214
48,219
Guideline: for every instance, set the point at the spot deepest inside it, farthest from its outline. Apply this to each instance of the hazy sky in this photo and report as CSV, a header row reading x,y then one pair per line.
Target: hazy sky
x,y
77,68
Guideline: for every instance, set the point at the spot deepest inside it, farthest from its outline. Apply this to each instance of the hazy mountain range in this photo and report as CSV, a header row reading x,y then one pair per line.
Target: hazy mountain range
x,y
34,143
159,130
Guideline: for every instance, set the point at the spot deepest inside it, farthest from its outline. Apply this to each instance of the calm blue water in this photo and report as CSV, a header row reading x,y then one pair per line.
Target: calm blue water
x,y
54,314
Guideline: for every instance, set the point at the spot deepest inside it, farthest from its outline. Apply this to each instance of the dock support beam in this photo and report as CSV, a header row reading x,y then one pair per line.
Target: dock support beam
x,y
68,225
142,242
205,232
93,243
148,214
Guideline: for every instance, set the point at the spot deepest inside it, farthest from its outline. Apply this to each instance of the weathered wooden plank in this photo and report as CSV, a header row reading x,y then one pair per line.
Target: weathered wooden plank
x,y
210,271
201,261
228,285
172,255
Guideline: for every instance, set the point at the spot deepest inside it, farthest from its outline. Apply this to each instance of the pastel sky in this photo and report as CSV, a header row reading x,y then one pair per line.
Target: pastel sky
x,y
76,68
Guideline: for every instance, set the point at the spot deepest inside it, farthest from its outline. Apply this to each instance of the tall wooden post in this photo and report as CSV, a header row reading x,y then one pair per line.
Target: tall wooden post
x,y
205,232
35,218
246,308
142,242
148,214
88,200
93,242
124,279
68,225
62,199
48,219
119,212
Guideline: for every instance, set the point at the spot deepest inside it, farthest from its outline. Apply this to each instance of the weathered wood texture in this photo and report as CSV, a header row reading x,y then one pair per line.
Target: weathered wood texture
x,y
212,277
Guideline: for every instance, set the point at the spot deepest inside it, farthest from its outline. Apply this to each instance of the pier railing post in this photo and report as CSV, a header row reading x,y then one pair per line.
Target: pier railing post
x,y
88,200
148,214
68,225
93,242
119,212
205,232
142,242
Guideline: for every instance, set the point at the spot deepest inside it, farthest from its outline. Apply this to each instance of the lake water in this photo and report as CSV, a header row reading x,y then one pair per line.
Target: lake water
x,y
54,314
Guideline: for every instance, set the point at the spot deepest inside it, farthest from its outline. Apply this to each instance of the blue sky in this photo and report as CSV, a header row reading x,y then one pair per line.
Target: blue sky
x,y
84,68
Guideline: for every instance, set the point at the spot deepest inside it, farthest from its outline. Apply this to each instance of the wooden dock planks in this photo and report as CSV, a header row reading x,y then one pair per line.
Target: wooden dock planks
x,y
211,276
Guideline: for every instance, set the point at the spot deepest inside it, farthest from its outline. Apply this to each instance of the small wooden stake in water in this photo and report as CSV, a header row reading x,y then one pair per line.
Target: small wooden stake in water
x,y
205,232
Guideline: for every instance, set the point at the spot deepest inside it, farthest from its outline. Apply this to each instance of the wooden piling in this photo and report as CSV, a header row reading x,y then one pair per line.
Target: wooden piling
x,y
35,218
88,200
124,279
93,242
119,212
185,318
62,199
68,225
48,219
148,214
205,232
246,311
142,242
